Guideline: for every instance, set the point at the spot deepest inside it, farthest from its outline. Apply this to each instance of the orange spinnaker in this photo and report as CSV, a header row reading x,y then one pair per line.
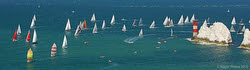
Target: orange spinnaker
x,y
85,24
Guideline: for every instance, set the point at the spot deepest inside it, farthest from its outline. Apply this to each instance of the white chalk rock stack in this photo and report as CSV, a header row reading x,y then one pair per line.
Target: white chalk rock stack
x,y
217,33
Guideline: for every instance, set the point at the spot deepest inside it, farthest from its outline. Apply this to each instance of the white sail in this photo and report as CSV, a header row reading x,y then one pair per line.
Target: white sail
x,y
192,19
241,22
19,29
171,23
181,20
172,33
95,29
205,21
124,28
32,25
34,40
165,21
140,22
68,26
78,30
112,20
141,33
243,29
81,25
233,21
186,20
103,24
208,20
134,23
65,43
93,18
34,17
152,25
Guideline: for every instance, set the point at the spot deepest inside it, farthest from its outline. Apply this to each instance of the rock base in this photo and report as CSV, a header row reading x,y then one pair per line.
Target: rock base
x,y
195,39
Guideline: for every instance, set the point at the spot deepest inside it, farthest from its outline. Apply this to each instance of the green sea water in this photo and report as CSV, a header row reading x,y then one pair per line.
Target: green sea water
x,y
112,42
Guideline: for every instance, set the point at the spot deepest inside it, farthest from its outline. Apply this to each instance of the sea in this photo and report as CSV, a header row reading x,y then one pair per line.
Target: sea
x,y
112,49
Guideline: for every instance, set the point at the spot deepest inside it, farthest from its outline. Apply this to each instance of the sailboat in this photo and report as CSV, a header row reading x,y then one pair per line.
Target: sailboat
x,y
85,25
186,20
65,43
124,28
29,55
208,20
81,25
239,30
181,20
241,22
233,21
78,30
34,40
152,25
34,17
53,50
165,21
192,19
112,20
141,33
95,29
171,23
243,29
134,23
172,33
32,25
140,22
19,30
68,27
103,24
228,10
14,38
232,28
93,18
28,37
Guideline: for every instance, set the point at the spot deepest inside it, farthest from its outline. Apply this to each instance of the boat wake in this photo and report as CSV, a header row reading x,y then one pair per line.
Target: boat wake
x,y
133,39
111,66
